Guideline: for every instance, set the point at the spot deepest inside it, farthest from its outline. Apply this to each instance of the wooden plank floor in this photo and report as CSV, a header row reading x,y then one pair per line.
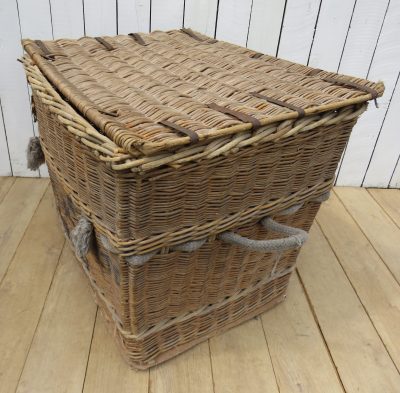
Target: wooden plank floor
x,y
337,331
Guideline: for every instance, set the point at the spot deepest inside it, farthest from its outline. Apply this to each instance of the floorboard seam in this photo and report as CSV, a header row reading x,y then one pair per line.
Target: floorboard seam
x,y
367,237
314,314
359,298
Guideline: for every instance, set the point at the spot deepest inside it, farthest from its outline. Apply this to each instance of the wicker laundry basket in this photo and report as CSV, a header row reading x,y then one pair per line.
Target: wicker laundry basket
x,y
187,172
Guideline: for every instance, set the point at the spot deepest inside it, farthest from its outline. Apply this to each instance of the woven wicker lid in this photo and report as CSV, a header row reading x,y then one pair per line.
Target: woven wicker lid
x,y
156,92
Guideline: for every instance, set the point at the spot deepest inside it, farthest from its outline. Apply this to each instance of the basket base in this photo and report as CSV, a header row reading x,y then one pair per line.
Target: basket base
x,y
179,349
148,350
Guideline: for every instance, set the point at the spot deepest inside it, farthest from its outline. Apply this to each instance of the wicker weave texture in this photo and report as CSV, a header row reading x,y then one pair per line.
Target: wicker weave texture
x,y
161,139
128,89
176,290
199,197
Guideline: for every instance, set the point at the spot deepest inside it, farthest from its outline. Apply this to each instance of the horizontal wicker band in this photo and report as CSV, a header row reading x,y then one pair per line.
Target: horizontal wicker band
x,y
238,115
191,134
272,100
138,38
145,245
275,275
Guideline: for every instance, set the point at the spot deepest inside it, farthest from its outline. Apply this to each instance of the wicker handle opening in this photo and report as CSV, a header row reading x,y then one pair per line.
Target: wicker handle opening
x,y
295,238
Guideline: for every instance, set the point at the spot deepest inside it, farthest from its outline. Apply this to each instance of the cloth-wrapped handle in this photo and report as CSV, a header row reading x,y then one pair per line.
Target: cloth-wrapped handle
x,y
295,238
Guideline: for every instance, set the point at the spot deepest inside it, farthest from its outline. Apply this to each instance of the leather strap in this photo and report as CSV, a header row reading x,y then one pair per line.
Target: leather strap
x,y
192,34
45,51
275,101
256,55
138,38
106,44
314,72
191,134
238,115
357,86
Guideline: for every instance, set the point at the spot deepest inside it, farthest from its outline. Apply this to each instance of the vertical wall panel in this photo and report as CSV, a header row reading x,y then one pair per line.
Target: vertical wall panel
x,y
330,35
359,37
166,15
395,180
233,21
67,18
133,16
200,15
384,66
298,30
265,25
13,89
362,38
5,167
100,17
387,149
38,28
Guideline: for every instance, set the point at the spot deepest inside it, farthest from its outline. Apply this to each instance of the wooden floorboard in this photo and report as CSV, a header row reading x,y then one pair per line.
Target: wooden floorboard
x,y
58,357
107,371
24,289
389,200
361,358
16,210
382,232
376,287
297,347
241,360
338,330
5,185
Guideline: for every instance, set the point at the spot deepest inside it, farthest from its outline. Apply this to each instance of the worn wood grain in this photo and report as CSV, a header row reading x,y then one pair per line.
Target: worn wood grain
x,y
24,290
297,348
241,361
189,372
360,357
382,232
16,211
59,353
107,371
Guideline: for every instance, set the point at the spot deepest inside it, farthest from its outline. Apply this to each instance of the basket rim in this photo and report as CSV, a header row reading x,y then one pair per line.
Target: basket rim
x,y
141,155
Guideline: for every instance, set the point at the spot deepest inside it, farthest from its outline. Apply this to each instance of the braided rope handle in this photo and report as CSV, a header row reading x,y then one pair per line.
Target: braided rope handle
x,y
81,236
295,239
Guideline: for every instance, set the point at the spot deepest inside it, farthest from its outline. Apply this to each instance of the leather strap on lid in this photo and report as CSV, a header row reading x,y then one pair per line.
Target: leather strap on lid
x,y
191,134
314,72
45,51
138,38
341,82
106,44
192,34
238,115
275,101
256,55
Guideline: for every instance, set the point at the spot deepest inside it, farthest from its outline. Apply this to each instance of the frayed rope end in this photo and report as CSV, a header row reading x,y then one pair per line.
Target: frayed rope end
x,y
81,237
34,154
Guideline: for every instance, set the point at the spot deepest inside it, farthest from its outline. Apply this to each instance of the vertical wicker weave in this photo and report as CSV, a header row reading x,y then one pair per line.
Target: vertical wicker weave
x,y
186,172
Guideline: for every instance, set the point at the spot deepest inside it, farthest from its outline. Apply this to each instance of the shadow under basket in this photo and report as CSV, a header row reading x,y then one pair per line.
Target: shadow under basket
x,y
162,303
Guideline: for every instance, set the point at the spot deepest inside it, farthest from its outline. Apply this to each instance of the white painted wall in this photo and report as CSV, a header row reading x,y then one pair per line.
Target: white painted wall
x,y
358,37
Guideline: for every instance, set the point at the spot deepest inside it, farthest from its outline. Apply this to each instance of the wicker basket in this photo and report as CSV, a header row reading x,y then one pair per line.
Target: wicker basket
x,y
167,153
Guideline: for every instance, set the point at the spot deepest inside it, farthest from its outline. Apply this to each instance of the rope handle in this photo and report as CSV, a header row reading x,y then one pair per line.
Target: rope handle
x,y
295,239
82,235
